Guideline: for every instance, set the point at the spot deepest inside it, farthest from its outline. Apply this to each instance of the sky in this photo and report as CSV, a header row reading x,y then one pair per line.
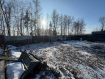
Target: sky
x,y
89,10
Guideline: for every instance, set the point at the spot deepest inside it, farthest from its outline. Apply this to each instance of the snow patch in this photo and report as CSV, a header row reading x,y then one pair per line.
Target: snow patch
x,y
10,47
84,53
14,54
14,70
1,51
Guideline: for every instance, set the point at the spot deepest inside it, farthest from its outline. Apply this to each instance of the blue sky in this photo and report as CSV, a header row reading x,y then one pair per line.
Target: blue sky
x,y
89,10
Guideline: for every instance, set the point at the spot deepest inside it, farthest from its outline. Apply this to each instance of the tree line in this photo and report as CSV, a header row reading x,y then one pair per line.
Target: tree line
x,y
18,18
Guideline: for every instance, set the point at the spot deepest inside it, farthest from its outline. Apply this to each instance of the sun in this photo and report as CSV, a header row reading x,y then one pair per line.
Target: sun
x,y
43,22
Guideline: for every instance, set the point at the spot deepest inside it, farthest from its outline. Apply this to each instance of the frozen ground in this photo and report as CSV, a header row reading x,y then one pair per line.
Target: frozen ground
x,y
80,59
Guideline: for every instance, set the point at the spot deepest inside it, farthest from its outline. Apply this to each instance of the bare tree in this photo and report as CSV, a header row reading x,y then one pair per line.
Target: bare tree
x,y
79,27
55,21
31,20
2,2
70,21
61,22
65,24
50,29
102,20
1,23
75,26
37,14
6,9
21,22
82,26
39,26
16,17
27,19
16,22
47,24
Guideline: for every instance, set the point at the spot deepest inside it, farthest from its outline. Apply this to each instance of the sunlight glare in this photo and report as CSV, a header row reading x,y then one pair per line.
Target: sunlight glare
x,y
43,22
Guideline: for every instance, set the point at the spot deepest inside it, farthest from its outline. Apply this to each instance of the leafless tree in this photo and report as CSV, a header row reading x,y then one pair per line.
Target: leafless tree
x,y
74,27
70,21
79,27
37,14
20,17
2,28
8,14
16,15
82,26
65,24
102,20
47,30
61,22
31,19
6,9
21,22
39,26
26,23
55,21
50,29
2,3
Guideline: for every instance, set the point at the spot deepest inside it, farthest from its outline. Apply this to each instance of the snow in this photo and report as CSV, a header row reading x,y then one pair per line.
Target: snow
x,y
1,51
83,57
51,76
10,47
37,76
13,52
14,70
84,53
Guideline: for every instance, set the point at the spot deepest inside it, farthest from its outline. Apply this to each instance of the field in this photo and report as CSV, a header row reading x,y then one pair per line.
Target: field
x,y
73,59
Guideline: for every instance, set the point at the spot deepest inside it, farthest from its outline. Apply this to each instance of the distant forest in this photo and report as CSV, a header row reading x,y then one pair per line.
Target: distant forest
x,y
18,18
